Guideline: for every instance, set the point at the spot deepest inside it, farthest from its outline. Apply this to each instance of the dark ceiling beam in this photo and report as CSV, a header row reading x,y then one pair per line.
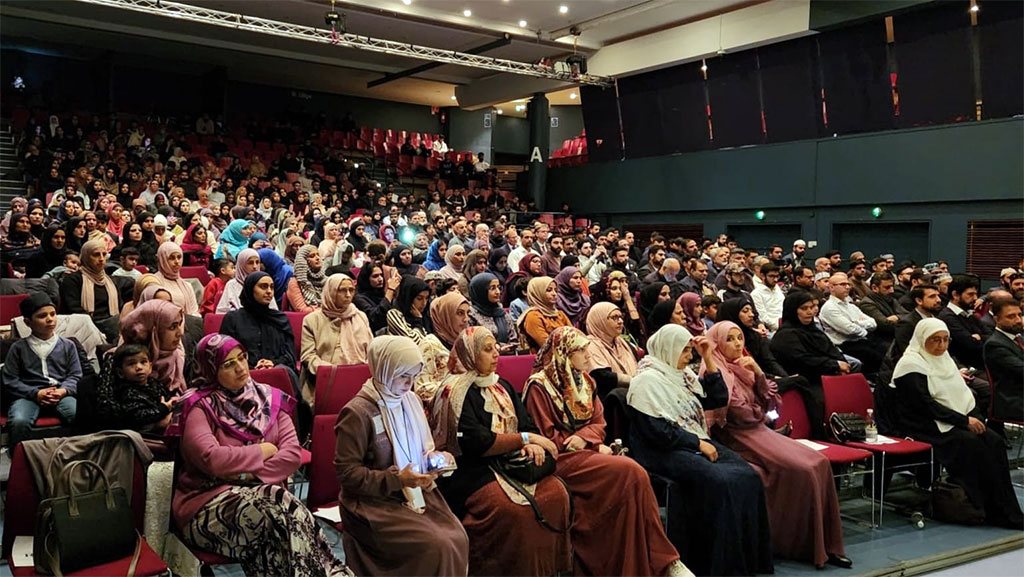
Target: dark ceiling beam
x,y
505,40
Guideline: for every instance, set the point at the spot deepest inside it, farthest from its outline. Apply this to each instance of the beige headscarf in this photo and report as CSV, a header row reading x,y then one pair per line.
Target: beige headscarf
x,y
537,298
608,349
403,417
92,277
442,315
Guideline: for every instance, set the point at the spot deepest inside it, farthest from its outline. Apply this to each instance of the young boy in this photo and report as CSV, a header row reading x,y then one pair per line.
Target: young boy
x,y
41,372
224,270
128,259
128,398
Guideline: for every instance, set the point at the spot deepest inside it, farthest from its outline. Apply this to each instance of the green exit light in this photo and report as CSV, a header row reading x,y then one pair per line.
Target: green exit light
x,y
759,215
876,212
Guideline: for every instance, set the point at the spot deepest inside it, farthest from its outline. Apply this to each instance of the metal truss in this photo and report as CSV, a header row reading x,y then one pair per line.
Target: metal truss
x,y
190,13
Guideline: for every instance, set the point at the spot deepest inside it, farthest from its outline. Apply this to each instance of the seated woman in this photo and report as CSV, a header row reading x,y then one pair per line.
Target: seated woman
x,y
248,262
195,247
237,452
613,362
335,334
169,259
446,321
614,288
485,296
264,332
395,520
717,488
235,238
798,480
694,313
538,321
801,348
410,311
529,268
935,405
571,299
304,293
739,312
160,325
477,417
91,291
667,312
455,257
283,275
617,529
650,296
374,295
449,316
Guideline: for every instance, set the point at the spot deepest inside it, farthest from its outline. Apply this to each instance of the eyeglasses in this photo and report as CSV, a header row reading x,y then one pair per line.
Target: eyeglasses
x,y
230,364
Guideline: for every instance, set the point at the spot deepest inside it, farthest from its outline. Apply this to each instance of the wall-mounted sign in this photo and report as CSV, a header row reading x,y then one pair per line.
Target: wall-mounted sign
x,y
554,122
487,120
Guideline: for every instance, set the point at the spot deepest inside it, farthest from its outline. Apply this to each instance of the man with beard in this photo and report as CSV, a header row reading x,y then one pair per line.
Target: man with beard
x,y
551,260
1004,357
928,304
858,280
902,280
880,306
795,258
966,333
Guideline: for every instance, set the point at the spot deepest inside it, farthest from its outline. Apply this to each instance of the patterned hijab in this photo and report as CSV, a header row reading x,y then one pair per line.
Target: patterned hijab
x,y
246,414
311,282
571,391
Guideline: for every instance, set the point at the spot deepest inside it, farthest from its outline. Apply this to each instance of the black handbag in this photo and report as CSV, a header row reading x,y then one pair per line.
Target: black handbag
x,y
848,427
82,530
529,470
950,504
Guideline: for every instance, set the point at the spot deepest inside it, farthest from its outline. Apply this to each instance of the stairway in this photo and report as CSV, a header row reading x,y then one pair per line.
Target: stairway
x,y
11,184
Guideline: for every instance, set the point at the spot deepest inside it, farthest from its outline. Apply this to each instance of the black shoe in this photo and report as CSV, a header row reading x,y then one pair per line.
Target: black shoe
x,y
839,561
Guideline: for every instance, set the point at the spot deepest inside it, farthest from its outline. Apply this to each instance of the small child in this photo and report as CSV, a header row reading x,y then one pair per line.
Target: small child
x,y
41,372
128,260
223,270
710,305
70,265
128,397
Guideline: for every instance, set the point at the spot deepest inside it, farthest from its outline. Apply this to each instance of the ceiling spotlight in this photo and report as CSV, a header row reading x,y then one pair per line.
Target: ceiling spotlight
x,y
467,12
703,67
407,2
522,23
453,97
563,9
500,112
572,96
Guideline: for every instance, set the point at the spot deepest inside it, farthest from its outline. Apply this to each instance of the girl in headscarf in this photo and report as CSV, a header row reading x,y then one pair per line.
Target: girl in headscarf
x,y
169,258
665,313
282,274
309,276
693,312
238,451
19,247
374,295
356,236
345,256
529,268
485,296
414,531
935,405
410,311
195,248
562,400
291,249
613,361
235,238
77,233
19,204
330,242
455,257
477,417
669,436
36,217
91,291
52,251
475,263
614,288
435,255
133,237
335,334
400,257
159,325
115,220
650,296
798,480
497,264
248,262
265,332
542,317
571,299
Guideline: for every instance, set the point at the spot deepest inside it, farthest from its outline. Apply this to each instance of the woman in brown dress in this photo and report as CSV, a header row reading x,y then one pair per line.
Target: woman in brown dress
x,y
617,529
395,520
478,417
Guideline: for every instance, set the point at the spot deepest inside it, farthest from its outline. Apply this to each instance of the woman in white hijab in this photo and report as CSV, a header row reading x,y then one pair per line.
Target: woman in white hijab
x,y
935,405
395,520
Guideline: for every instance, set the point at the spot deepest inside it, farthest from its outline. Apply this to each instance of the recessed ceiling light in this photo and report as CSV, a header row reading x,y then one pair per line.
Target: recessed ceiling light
x,y
453,97
407,2
467,12
563,9
522,23
572,96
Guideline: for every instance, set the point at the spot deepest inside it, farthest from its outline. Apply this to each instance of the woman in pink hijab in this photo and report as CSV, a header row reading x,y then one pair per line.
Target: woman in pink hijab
x,y
159,325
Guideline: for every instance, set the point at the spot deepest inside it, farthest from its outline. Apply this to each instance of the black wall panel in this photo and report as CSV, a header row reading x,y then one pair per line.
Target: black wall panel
x,y
856,79
734,98
791,90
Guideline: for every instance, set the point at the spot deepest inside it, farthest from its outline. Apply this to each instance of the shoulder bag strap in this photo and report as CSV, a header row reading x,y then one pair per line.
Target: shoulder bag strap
x,y
533,502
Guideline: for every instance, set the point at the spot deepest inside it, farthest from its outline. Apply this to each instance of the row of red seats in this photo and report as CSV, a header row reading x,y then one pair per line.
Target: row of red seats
x,y
572,153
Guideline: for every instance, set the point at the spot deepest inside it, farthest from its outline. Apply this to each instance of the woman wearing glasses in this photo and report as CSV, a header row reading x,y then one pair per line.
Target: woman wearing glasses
x,y
237,451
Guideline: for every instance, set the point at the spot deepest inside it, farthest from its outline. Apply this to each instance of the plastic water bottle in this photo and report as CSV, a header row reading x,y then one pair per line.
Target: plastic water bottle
x,y
870,430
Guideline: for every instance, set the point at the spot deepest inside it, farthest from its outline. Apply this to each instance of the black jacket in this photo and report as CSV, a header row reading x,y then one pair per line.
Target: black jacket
x,y
966,349
1005,362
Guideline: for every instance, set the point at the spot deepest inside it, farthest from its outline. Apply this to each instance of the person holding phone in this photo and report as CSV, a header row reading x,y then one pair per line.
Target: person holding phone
x,y
386,466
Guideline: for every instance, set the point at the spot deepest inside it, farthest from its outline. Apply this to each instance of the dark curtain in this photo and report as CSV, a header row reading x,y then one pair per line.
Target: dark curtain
x,y
791,90
601,121
735,102
855,77
1001,30
663,112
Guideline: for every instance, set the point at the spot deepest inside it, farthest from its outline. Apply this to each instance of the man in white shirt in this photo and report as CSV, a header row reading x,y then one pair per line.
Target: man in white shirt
x,y
440,146
768,296
848,327
480,165
517,253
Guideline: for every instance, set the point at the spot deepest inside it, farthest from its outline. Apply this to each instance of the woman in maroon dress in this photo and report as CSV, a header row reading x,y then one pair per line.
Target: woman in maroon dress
x,y
617,529
803,509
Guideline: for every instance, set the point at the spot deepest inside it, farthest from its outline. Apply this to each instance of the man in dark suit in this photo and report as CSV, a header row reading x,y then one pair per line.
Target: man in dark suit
x,y
966,334
879,305
1004,357
929,304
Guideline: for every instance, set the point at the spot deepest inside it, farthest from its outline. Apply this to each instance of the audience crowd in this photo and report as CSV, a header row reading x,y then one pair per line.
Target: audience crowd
x,y
129,241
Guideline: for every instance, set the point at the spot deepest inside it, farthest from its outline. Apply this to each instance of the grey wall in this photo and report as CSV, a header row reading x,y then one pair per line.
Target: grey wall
x,y
511,135
944,176
466,130
570,124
